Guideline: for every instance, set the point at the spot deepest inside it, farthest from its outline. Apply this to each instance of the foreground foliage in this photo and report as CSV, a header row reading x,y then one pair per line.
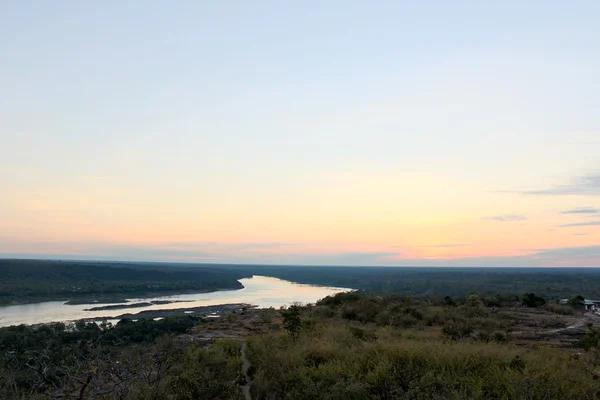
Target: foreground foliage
x,y
336,363
347,346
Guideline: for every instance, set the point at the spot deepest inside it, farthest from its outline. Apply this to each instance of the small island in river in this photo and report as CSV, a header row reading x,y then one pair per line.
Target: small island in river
x,y
201,311
135,305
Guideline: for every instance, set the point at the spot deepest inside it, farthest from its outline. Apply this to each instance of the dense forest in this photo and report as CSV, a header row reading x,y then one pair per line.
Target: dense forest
x,y
550,283
26,281
23,281
348,346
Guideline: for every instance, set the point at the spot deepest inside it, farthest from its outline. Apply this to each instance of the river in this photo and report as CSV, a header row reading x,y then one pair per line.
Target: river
x,y
261,291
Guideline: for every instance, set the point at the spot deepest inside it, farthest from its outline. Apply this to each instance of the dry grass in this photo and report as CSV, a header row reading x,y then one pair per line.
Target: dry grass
x,y
333,363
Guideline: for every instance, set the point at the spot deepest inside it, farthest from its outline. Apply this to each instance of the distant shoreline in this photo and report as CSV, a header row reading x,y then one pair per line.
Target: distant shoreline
x,y
116,299
34,281
145,295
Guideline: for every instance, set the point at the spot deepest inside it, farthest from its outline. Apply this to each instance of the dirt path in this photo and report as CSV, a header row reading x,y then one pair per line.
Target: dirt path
x,y
245,366
577,324
587,317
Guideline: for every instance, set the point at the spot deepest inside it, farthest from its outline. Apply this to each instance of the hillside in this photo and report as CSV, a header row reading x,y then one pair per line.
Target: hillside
x,y
349,346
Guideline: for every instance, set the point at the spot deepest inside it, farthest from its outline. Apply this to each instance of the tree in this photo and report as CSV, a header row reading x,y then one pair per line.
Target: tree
x,y
473,300
449,301
533,300
291,320
577,301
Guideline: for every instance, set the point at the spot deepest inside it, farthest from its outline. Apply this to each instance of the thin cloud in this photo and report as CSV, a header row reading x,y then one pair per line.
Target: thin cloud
x,y
569,256
589,223
447,245
508,218
587,185
580,234
571,253
583,210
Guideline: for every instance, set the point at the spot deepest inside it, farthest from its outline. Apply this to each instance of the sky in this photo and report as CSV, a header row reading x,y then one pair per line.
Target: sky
x,y
438,133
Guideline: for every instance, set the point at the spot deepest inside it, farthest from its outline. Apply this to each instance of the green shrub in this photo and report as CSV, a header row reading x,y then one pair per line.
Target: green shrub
x,y
340,298
291,320
363,310
362,334
457,330
533,300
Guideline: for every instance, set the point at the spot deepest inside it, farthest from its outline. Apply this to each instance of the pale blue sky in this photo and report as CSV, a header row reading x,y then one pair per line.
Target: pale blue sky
x,y
128,123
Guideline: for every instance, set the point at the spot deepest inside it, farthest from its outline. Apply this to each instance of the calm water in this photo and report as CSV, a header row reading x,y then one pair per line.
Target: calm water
x,y
261,291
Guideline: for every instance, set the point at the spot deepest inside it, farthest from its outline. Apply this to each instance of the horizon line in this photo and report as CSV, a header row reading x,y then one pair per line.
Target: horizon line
x,y
3,258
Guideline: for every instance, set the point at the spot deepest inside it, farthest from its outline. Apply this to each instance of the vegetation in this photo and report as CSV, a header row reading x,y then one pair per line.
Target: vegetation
x,y
291,320
577,301
23,281
444,337
87,360
338,363
348,346
549,283
533,300
26,281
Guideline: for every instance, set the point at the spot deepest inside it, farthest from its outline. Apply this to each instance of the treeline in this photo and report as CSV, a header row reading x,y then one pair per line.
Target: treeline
x,y
36,280
550,283
23,281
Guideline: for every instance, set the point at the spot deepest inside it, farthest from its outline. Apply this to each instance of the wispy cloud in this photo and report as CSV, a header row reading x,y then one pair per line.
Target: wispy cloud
x,y
570,256
571,253
583,210
586,185
199,252
508,218
447,245
580,234
589,223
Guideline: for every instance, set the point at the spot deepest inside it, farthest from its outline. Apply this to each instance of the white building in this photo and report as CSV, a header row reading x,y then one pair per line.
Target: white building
x,y
590,305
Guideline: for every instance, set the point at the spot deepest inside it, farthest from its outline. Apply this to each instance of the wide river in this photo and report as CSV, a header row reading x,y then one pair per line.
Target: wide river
x,y
261,291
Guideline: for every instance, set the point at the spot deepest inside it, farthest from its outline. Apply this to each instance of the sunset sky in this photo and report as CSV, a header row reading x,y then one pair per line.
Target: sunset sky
x,y
463,133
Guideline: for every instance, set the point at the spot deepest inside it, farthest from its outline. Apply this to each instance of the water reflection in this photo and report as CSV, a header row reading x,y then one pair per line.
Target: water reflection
x,y
262,291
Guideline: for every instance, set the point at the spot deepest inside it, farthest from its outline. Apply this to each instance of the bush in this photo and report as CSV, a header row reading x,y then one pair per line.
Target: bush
x,y
363,334
457,330
533,300
499,337
335,365
340,298
577,302
363,310
449,301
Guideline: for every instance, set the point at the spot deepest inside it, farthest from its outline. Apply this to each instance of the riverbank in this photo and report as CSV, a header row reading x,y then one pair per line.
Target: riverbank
x,y
261,291
85,282
89,299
